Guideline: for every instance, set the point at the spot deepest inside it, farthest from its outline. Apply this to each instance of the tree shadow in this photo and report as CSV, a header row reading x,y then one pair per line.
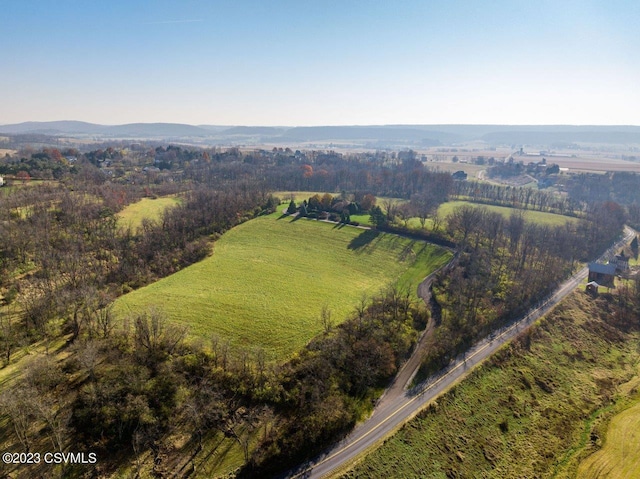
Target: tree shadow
x,y
407,252
363,240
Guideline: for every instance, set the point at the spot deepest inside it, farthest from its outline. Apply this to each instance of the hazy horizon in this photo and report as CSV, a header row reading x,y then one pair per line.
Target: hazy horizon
x,y
340,64
220,125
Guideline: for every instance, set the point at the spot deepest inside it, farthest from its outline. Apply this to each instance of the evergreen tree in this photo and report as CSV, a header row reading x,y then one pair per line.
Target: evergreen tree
x,y
378,218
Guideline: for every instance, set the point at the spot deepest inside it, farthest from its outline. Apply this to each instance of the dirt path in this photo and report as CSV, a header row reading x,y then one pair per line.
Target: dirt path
x,y
410,367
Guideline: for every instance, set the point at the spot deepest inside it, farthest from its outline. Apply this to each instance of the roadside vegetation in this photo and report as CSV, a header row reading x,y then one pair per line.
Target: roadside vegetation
x,y
504,267
536,409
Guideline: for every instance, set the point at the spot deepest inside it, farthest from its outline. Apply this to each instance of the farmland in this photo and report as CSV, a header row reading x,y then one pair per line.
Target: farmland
x,y
268,280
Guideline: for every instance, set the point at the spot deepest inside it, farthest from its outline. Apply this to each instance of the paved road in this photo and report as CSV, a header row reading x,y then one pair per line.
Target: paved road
x,y
396,409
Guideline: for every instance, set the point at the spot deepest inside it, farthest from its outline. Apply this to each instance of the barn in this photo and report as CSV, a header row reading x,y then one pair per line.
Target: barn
x,y
603,274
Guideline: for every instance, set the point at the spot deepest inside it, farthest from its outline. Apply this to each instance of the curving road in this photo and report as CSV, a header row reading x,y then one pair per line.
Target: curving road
x,y
398,405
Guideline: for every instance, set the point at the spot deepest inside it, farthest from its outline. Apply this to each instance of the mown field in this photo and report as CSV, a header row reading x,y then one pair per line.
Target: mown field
x,y
149,208
620,453
268,279
538,217
536,409
446,209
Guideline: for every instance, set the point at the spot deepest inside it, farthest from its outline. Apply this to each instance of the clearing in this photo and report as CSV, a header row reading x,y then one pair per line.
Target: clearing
x,y
539,217
269,278
149,208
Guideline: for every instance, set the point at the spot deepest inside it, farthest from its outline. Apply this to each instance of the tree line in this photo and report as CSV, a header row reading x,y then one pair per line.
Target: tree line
x,y
505,267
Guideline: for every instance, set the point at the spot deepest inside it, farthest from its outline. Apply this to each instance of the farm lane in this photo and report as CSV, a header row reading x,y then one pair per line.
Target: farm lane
x,y
398,405
410,368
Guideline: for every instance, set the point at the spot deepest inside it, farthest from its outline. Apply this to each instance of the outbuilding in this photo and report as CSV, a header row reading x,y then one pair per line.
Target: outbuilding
x,y
603,274
592,287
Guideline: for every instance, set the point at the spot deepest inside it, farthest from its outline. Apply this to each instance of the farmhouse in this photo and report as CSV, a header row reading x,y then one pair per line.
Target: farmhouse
x,y
603,274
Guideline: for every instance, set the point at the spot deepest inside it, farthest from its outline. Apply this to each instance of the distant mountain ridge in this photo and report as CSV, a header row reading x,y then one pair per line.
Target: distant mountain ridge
x,y
398,135
84,128
68,126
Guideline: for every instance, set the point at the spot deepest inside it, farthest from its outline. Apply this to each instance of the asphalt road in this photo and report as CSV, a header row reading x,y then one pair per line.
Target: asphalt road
x,y
398,405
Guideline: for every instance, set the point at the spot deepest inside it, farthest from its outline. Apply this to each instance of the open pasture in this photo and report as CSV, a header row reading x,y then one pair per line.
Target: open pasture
x,y
268,279
539,217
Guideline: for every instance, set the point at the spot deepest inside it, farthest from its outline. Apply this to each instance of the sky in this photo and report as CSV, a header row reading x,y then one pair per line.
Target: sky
x,y
321,62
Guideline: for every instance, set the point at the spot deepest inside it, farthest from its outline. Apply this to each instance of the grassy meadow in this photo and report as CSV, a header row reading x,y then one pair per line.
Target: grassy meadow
x,y
268,279
537,408
446,209
539,217
148,208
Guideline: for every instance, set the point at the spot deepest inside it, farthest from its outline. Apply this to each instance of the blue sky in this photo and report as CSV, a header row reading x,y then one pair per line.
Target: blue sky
x,y
320,62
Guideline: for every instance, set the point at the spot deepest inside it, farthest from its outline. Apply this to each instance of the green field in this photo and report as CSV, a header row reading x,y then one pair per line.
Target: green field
x,y
148,208
539,217
268,279
620,454
533,410
446,209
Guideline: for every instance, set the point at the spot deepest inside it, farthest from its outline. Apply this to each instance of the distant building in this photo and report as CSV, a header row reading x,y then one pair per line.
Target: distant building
x,y
622,262
603,274
459,175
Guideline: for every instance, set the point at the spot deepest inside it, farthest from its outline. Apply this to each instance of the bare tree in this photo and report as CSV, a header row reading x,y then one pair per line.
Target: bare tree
x,y
17,404
325,318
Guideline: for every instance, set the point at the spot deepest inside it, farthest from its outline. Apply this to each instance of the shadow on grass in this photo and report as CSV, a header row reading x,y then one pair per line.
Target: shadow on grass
x,y
407,252
363,240
294,217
